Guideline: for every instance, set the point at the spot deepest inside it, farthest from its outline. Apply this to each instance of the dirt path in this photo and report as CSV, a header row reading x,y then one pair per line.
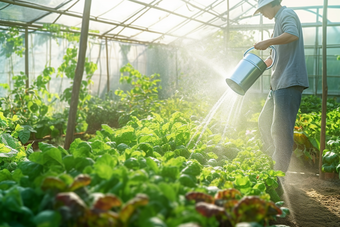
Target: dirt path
x,y
312,202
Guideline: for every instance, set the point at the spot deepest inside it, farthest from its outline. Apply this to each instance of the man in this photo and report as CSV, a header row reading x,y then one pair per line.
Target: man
x,y
289,78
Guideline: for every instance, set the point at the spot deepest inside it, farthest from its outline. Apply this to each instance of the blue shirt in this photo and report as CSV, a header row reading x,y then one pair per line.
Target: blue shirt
x,y
290,66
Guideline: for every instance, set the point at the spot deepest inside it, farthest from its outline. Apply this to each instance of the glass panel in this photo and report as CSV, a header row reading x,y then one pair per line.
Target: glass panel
x,y
167,39
153,16
311,89
220,7
333,14
168,24
2,5
18,13
333,35
147,36
77,8
170,5
207,17
101,27
69,21
334,51
202,32
306,16
187,28
295,3
48,3
188,10
128,32
103,8
333,84
123,11
309,36
49,18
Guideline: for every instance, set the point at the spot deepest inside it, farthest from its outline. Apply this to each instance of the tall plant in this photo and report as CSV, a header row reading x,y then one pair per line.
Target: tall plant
x,y
142,98
11,41
68,68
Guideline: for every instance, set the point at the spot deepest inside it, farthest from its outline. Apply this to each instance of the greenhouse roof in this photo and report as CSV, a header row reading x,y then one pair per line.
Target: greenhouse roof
x,y
146,21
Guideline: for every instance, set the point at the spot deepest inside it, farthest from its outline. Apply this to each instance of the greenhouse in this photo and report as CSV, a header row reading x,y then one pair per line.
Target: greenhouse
x,y
157,113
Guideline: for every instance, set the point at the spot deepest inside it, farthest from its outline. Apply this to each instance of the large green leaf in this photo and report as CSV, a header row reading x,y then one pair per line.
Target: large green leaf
x,y
47,218
30,169
12,200
152,164
104,166
243,182
9,140
84,150
5,175
107,129
49,156
98,146
82,163
24,136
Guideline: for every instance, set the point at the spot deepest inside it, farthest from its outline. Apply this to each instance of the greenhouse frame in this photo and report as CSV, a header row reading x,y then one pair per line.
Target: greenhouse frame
x,y
61,58
177,23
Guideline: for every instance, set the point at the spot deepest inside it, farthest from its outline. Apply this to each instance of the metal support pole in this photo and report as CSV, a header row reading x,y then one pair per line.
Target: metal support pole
x,y
176,68
324,87
228,27
26,58
78,75
261,78
316,56
107,67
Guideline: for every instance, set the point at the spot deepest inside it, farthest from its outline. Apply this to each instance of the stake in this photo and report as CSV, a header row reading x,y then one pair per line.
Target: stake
x,y
324,87
107,67
26,58
72,117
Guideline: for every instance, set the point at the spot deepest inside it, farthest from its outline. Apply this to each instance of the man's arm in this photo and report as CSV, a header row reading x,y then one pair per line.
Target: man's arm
x,y
281,39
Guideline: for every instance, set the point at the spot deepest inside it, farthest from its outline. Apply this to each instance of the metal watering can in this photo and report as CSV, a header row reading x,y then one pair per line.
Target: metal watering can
x,y
248,71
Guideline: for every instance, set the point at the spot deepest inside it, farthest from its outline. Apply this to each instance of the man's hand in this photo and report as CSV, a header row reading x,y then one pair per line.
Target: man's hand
x,y
268,62
282,39
263,45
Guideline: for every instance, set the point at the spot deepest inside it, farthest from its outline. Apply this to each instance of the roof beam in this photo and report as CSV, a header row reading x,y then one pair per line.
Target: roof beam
x,y
271,26
177,14
186,21
145,7
195,29
61,5
44,8
36,27
205,10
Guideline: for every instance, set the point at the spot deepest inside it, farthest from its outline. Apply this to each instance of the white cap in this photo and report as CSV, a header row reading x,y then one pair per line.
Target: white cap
x,y
262,3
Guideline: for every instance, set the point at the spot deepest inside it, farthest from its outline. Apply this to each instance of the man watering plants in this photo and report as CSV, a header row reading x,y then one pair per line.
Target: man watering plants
x,y
288,80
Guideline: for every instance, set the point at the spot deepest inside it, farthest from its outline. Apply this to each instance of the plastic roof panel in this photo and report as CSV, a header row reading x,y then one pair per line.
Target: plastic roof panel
x,y
151,17
120,12
48,3
20,14
146,36
69,21
168,23
170,5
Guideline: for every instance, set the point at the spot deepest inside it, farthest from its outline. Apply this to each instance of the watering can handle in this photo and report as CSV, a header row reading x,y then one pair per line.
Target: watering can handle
x,y
274,50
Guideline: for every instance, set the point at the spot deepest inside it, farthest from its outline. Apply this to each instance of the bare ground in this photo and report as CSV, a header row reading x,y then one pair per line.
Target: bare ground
x,y
312,202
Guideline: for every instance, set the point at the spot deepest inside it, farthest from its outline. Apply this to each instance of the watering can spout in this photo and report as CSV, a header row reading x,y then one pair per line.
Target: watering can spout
x,y
248,70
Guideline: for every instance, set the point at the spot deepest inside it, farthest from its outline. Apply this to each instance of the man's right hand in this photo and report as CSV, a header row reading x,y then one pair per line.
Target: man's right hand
x,y
268,62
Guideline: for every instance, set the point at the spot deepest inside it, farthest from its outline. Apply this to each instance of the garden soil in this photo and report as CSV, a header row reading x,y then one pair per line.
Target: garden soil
x,y
312,202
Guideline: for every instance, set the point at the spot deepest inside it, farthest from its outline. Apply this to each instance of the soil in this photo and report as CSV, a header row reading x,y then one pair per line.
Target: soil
x,y
312,202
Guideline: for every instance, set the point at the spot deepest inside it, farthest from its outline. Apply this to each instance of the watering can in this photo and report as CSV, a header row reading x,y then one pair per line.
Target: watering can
x,y
248,70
